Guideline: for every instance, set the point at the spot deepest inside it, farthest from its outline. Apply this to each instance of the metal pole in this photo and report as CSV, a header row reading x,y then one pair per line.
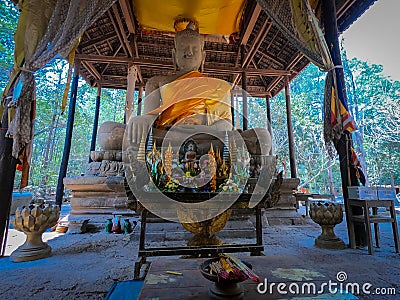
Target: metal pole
x,y
233,107
329,20
7,174
95,122
268,103
68,135
244,96
244,92
292,154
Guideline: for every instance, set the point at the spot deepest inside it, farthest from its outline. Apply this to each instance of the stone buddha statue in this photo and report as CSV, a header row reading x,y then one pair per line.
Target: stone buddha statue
x,y
191,106
189,100
186,98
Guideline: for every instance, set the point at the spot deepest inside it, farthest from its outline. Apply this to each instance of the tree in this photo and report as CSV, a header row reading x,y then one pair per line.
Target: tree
x,y
8,23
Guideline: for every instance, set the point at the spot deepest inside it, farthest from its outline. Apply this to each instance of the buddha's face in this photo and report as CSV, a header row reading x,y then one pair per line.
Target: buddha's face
x,y
188,53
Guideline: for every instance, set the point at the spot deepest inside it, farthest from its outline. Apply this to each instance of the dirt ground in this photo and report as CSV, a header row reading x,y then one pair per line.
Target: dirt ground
x,y
84,266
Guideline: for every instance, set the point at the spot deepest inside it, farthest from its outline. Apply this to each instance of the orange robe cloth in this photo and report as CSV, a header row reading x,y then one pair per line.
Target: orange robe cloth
x,y
193,99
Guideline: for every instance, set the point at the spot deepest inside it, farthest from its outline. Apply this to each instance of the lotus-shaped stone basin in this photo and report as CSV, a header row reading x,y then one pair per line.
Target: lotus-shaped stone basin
x,y
33,220
327,215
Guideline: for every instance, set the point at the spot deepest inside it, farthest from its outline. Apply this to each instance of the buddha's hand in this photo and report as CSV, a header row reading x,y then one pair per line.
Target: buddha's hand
x,y
139,126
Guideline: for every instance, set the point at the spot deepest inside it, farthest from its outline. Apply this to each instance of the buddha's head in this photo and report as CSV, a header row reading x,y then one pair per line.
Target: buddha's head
x,y
188,53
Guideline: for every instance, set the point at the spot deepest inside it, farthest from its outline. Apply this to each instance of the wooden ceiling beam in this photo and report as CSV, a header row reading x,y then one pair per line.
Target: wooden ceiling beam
x,y
135,46
94,41
92,70
344,8
122,30
105,59
261,77
280,64
121,40
257,43
207,50
159,64
140,77
94,45
250,25
293,63
115,82
111,76
254,47
127,12
114,55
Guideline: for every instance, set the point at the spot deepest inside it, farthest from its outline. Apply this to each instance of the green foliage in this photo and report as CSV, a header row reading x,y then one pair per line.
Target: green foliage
x,y
375,104
8,23
313,165
50,124
378,116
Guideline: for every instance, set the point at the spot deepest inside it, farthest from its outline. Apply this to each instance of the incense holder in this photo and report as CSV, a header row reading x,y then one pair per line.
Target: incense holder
x,y
222,288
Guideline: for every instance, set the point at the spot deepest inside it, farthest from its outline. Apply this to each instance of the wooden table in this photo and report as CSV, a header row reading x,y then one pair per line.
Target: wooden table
x,y
159,284
374,218
190,285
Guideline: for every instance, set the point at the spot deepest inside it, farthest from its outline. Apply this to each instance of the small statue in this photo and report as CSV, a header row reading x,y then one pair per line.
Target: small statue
x,y
191,164
108,226
117,225
190,149
127,227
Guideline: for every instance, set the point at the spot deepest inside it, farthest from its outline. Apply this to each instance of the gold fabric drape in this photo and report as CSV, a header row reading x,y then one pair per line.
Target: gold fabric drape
x,y
191,96
213,16
46,28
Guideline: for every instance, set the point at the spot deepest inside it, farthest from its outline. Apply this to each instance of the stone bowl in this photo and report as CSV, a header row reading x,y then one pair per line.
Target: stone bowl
x,y
326,213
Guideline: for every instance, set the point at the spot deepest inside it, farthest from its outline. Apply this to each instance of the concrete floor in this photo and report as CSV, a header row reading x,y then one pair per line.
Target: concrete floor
x,y
84,266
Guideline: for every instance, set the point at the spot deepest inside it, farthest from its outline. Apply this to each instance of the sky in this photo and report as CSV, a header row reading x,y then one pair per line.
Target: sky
x,y
375,37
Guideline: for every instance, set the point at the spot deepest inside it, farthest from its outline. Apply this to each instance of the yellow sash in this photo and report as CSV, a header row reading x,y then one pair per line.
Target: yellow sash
x,y
194,99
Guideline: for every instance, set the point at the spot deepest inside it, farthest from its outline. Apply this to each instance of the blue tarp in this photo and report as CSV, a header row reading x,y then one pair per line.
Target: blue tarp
x,y
124,290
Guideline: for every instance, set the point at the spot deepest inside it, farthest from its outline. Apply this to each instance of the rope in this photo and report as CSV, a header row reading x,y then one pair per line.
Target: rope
x,y
335,67
26,70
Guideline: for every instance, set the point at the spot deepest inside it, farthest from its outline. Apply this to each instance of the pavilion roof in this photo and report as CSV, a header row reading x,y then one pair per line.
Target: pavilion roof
x,y
115,42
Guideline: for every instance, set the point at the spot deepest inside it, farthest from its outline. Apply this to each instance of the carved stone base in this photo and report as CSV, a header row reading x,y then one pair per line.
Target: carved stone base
x,y
20,199
284,212
33,248
278,216
328,239
95,198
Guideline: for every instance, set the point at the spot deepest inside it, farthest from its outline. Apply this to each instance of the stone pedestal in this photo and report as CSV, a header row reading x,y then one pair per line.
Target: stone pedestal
x,y
20,199
95,198
284,212
327,215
